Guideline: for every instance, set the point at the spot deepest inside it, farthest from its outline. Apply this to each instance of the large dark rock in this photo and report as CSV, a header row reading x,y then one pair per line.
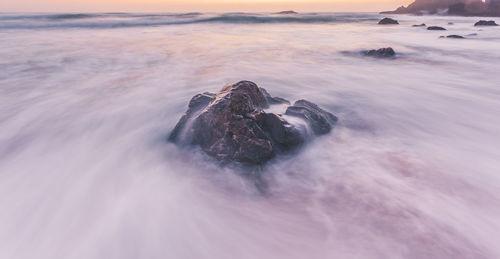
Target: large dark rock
x,y
232,125
380,53
436,28
486,23
388,21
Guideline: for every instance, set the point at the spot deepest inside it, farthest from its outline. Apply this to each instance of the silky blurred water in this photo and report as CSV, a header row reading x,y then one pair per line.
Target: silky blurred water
x,y
87,101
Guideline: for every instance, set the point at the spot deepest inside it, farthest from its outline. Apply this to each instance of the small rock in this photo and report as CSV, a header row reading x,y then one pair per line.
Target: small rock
x,y
388,21
486,23
435,28
419,25
381,53
455,37
450,23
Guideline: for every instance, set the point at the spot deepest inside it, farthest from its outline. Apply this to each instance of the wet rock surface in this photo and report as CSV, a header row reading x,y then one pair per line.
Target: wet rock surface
x,y
320,121
388,21
380,53
232,125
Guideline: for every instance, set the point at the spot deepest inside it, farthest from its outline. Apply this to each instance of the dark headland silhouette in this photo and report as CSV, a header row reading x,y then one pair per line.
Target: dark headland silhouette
x,y
451,7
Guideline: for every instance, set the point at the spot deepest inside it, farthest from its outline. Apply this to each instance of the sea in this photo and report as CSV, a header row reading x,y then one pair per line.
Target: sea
x,y
87,101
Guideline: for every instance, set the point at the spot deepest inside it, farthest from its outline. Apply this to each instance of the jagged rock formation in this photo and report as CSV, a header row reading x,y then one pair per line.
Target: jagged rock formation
x,y
452,7
380,53
388,21
232,125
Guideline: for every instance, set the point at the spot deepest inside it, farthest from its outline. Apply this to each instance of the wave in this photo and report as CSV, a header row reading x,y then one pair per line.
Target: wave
x,y
71,16
64,16
96,21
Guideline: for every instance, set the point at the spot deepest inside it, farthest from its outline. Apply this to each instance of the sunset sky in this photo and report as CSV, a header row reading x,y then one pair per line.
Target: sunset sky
x,y
195,5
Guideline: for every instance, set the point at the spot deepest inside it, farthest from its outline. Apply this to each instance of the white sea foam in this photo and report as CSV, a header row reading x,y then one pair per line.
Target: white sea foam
x,y
411,171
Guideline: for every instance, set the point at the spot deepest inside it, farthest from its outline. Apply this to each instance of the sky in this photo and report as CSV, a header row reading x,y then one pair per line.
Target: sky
x,y
197,5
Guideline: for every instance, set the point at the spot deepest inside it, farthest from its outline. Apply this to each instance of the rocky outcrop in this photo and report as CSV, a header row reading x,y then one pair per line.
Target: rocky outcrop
x,y
486,23
232,125
388,21
436,28
425,6
380,53
452,7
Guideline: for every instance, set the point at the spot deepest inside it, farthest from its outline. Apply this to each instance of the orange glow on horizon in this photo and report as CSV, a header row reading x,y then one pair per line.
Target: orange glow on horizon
x,y
197,5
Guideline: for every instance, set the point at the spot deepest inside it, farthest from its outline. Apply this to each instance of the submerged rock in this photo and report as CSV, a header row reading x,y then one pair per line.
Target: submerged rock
x,y
232,125
436,28
388,21
380,53
486,23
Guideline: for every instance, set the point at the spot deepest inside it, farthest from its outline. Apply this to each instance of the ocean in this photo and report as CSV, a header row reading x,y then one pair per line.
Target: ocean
x,y
87,101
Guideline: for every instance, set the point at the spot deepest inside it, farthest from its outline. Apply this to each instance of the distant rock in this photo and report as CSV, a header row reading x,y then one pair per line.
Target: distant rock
x,y
287,12
435,28
380,53
232,125
471,34
388,21
453,37
486,23
450,23
419,25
